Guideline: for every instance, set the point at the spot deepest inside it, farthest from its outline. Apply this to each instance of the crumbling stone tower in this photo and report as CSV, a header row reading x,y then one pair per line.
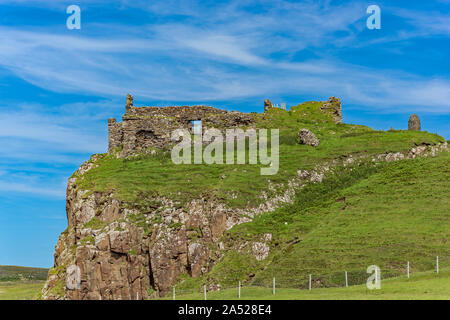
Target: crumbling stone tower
x,y
333,106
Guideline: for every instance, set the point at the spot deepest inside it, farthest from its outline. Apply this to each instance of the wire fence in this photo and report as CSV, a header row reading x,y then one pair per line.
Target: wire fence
x,y
308,281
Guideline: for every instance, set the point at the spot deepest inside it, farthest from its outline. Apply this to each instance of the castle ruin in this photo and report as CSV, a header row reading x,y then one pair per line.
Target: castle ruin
x,y
151,127
144,127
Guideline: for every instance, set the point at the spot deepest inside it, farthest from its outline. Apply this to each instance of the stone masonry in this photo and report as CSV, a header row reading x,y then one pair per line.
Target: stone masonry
x,y
144,127
333,106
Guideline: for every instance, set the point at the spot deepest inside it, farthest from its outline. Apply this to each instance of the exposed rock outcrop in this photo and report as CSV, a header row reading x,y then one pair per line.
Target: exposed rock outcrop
x,y
308,138
128,253
260,250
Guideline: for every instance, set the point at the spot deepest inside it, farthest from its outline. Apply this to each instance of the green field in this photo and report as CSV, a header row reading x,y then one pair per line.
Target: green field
x,y
423,285
21,283
384,215
20,290
16,273
420,286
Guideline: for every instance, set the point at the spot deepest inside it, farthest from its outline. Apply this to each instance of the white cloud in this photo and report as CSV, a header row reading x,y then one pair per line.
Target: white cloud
x,y
36,189
424,24
226,52
224,46
42,146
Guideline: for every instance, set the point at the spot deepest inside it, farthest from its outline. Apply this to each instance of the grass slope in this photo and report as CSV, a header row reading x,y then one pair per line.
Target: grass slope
x,y
21,283
139,179
385,215
420,286
15,273
362,215
20,290
401,213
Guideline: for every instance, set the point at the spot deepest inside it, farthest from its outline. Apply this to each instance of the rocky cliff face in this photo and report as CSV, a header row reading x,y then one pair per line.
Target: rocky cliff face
x,y
124,251
117,250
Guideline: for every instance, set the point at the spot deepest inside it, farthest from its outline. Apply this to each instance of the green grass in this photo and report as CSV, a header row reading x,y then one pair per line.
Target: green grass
x,y
366,214
141,178
420,286
21,283
14,273
397,214
392,213
20,290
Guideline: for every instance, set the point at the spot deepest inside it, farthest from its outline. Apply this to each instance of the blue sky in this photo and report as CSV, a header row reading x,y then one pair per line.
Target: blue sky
x,y
59,86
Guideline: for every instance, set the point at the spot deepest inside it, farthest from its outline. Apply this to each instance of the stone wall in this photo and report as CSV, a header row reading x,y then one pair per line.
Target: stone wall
x,y
333,107
144,127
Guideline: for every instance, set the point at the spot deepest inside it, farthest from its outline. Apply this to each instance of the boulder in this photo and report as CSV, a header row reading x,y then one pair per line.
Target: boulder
x,y
308,138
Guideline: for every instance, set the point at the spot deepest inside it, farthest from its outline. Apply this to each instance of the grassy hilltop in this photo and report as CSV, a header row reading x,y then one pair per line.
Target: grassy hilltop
x,y
144,176
385,215
361,214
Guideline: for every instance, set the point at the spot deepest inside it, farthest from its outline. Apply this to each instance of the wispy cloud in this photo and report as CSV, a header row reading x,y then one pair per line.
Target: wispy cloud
x,y
63,132
424,24
42,146
228,52
32,189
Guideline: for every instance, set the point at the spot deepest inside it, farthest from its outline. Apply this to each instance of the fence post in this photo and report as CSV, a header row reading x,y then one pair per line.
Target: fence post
x,y
173,292
239,291
204,291
407,269
309,281
273,286
346,280
437,264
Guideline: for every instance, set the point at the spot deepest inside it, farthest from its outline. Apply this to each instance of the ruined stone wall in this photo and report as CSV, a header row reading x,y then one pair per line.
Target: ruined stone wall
x,y
333,107
144,127
115,134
